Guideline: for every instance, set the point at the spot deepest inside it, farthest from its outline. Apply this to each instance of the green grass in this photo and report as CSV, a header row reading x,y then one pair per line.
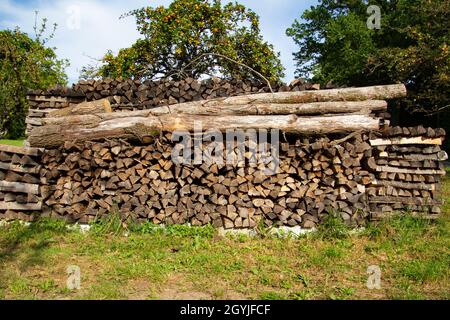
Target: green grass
x,y
181,262
17,143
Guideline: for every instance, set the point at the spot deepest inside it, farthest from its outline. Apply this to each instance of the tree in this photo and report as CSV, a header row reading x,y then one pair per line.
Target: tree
x,y
25,63
191,38
411,47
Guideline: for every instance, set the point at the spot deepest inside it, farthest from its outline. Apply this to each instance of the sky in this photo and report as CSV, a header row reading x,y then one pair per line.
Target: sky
x,y
87,29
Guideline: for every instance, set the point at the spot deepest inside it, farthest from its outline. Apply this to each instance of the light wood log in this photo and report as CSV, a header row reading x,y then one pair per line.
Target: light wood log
x,y
362,107
48,99
87,107
413,140
195,108
19,187
440,156
33,121
412,171
20,150
345,94
132,127
313,108
39,112
18,168
405,185
21,206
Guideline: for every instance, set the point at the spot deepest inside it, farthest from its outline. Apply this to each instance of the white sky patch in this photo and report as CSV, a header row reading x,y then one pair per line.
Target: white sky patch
x,y
89,28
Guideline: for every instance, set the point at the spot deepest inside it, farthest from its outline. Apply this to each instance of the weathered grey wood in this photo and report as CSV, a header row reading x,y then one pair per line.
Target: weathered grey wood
x,y
413,171
49,99
19,187
18,168
21,150
439,156
384,215
21,206
131,127
33,121
328,108
404,200
39,112
346,94
405,185
313,108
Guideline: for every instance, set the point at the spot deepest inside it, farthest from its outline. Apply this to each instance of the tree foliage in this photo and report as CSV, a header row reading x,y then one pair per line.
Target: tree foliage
x,y
191,38
25,63
411,47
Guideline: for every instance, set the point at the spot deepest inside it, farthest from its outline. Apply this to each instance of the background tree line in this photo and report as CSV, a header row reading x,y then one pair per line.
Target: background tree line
x,y
25,62
412,47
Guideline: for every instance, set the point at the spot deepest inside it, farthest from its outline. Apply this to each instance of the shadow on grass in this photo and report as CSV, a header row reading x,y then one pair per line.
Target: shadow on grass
x,y
31,240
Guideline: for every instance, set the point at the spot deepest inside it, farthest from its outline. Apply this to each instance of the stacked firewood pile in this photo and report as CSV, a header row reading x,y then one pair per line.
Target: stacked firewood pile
x,y
337,155
131,94
316,176
40,103
303,112
137,95
141,182
122,161
19,182
408,164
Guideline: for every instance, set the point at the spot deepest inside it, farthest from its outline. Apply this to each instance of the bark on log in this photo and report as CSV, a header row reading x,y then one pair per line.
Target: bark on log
x,y
440,156
139,127
330,107
87,107
412,171
346,94
316,108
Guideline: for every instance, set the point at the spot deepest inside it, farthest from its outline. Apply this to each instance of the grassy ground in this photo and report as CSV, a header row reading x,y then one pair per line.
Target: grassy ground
x,y
182,262
18,143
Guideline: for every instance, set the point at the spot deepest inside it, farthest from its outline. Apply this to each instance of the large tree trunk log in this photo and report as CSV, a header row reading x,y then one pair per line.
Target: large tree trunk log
x,y
345,100
313,108
316,108
346,94
140,127
87,107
